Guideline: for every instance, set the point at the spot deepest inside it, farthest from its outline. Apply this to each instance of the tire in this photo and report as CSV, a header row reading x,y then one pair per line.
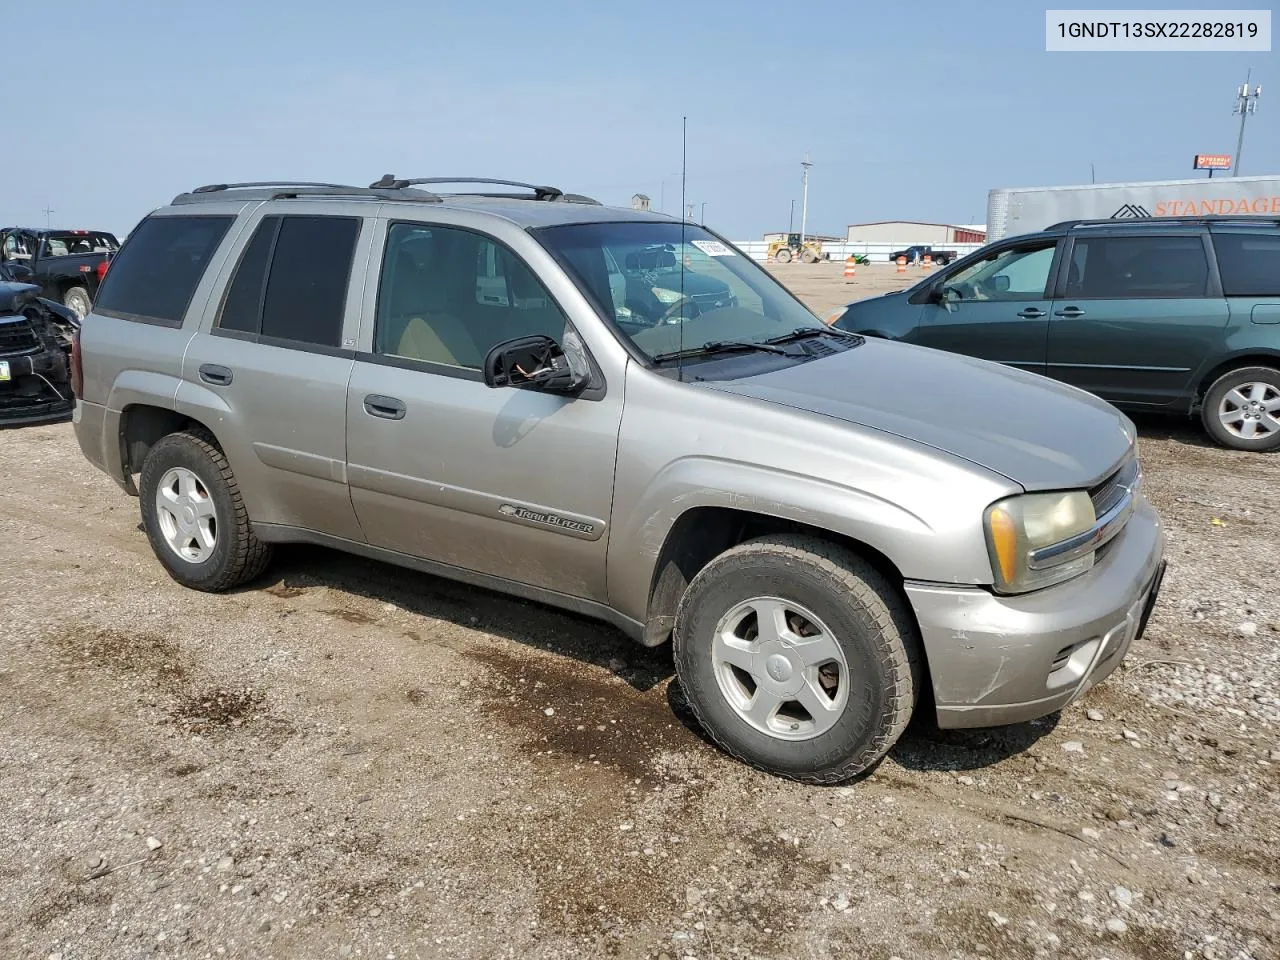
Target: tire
x,y
76,299
856,607
236,554
808,256
783,255
1231,414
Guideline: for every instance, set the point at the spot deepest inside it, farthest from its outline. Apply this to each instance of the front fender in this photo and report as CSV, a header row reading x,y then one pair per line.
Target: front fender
x,y
919,548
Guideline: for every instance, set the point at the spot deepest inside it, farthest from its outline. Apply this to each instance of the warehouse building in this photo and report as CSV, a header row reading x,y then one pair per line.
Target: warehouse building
x,y
915,231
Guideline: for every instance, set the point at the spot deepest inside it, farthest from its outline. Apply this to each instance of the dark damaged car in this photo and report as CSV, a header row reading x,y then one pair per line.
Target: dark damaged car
x,y
36,339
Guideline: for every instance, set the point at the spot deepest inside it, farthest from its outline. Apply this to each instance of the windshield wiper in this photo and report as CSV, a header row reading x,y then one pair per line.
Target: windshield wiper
x,y
721,346
805,333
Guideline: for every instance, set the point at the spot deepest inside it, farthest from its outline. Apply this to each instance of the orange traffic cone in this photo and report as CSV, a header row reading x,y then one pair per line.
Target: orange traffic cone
x,y
850,268
928,261
902,264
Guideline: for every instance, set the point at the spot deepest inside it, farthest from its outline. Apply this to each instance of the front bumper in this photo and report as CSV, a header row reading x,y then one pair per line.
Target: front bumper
x,y
37,390
1007,659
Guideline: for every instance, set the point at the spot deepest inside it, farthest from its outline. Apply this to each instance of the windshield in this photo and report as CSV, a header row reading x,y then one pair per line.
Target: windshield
x,y
667,294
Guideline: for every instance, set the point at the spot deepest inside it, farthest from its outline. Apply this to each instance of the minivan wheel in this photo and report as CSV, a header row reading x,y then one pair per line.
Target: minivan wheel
x,y
195,517
1242,409
798,658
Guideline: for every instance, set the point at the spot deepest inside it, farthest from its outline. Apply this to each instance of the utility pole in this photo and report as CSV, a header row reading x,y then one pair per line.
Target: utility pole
x,y
48,217
805,164
791,222
1092,177
1246,103
704,213
689,208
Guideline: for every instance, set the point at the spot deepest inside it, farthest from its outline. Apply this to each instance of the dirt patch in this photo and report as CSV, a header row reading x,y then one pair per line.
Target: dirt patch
x,y
149,654
348,615
284,591
576,712
215,707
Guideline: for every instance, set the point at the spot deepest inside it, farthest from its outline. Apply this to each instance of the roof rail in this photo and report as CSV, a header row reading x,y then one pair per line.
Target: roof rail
x,y
390,182
1128,221
282,190
217,187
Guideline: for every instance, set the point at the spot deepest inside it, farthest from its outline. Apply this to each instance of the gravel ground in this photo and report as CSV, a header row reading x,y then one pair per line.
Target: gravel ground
x,y
351,760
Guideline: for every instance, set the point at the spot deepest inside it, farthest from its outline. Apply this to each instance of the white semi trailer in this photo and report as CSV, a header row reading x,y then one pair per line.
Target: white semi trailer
x,y
1017,210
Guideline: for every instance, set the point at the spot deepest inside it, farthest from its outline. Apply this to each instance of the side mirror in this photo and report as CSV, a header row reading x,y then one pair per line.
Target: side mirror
x,y
17,272
537,363
1000,283
940,294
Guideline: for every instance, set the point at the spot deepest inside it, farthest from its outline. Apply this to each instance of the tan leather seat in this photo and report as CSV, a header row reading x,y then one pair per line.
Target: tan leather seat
x,y
419,327
439,338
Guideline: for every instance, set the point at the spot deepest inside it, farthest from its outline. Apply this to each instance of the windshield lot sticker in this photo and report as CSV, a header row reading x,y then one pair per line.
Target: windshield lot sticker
x,y
712,248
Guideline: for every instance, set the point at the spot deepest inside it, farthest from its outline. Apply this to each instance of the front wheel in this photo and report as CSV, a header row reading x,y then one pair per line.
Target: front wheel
x,y
1241,409
195,517
76,299
798,658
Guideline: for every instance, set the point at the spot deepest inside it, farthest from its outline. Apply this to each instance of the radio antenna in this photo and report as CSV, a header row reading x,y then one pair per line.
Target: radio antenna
x,y
684,166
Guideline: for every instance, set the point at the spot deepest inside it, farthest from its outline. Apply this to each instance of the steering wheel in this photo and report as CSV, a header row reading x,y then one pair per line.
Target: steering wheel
x,y
675,313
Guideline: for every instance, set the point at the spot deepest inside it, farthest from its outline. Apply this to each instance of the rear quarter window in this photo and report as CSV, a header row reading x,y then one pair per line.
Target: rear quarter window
x,y
154,276
1249,264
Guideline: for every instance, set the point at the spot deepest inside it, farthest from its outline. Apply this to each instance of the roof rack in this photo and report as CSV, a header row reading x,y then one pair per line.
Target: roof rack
x,y
1128,221
390,182
285,189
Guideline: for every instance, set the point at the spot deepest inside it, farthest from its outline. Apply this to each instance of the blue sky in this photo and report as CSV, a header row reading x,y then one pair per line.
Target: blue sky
x,y
910,110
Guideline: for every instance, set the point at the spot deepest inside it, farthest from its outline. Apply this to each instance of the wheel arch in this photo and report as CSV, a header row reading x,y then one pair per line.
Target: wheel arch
x,y
702,533
1248,358
142,425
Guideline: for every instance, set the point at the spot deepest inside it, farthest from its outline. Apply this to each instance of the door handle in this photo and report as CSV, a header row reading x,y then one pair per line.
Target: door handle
x,y
217,375
388,408
1069,312
1031,313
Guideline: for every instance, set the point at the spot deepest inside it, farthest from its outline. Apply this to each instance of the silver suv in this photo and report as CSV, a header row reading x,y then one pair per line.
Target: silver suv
x,y
618,413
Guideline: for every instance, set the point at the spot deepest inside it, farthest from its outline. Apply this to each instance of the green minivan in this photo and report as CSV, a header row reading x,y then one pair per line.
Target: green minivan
x,y
1176,315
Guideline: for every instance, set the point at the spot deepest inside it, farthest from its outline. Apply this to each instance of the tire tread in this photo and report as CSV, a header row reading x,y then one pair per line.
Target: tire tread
x,y
249,556
893,618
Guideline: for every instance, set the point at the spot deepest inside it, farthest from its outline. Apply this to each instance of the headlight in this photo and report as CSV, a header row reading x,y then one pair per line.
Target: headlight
x,y
666,296
1017,526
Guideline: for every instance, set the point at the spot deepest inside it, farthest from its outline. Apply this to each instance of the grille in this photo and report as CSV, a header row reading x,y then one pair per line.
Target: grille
x,y
16,336
1112,490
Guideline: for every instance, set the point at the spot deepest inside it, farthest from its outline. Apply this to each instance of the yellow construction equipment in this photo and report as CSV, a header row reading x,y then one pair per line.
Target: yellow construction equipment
x,y
784,251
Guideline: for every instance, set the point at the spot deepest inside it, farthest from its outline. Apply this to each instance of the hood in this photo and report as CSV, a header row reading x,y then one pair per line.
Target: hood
x,y
15,296
1037,432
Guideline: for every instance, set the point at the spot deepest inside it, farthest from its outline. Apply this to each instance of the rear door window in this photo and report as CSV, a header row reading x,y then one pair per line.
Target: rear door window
x,y
154,276
291,282
1137,268
1249,263
307,287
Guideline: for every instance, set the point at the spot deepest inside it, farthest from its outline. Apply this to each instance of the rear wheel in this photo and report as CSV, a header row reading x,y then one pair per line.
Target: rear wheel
x,y
1241,409
76,299
783,256
798,658
195,517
